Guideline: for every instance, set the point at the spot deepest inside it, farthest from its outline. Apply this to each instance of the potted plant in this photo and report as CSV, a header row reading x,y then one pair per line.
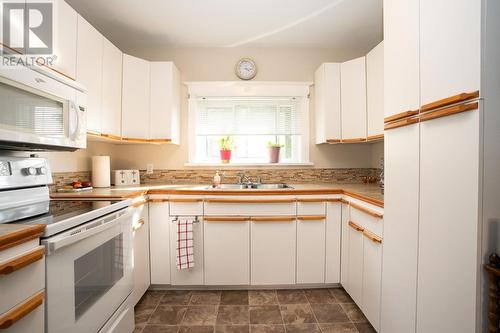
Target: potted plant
x,y
274,152
226,145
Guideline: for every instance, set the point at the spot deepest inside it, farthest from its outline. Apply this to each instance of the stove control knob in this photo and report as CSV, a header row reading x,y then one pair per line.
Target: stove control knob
x,y
31,171
41,170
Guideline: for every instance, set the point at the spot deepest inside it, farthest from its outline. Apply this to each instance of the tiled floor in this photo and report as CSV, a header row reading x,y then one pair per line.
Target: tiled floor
x,y
260,311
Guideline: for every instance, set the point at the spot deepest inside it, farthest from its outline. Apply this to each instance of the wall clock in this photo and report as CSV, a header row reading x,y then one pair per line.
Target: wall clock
x,y
246,69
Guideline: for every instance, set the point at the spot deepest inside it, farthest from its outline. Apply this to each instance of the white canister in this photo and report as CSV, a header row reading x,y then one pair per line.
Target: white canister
x,y
101,171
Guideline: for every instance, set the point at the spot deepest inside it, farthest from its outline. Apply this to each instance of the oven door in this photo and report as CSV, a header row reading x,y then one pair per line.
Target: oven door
x,y
89,273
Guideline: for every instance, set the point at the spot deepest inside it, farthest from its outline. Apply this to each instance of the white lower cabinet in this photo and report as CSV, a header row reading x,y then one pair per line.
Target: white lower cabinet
x,y
355,263
159,234
311,249
273,245
344,247
140,229
372,280
227,251
333,242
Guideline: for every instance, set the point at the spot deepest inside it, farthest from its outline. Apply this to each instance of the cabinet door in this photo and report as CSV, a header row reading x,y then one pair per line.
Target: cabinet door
x,y
227,251
375,90
327,103
401,56
135,98
353,97
65,38
355,264
141,253
273,248
111,89
344,251
450,52
333,241
191,276
372,281
165,101
89,71
447,296
399,280
311,249
160,242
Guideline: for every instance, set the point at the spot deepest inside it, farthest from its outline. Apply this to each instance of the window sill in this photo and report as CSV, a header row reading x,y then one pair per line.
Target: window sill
x,y
230,165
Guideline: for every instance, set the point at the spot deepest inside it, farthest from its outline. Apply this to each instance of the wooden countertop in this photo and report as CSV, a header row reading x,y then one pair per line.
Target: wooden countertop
x,y
370,193
15,234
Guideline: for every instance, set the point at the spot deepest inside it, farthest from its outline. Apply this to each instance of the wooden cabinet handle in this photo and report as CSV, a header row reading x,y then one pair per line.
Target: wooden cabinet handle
x,y
260,201
311,218
371,236
185,200
139,203
450,100
158,200
138,225
312,200
353,140
23,261
272,218
401,115
366,210
401,123
449,111
19,312
356,227
332,141
226,218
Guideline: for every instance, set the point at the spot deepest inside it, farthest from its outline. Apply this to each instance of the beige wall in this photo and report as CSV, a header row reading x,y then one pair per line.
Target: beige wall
x,y
217,64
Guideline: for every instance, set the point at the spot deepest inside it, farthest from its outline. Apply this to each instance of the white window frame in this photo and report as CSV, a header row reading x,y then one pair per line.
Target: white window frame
x,y
299,90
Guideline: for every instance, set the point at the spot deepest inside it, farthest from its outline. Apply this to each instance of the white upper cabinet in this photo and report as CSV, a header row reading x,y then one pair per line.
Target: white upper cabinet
x,y
375,90
111,89
450,51
165,101
327,103
65,38
353,96
401,55
135,98
89,71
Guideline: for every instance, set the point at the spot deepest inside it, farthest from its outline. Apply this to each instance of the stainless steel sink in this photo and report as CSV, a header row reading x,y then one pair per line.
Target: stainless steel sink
x,y
271,186
251,186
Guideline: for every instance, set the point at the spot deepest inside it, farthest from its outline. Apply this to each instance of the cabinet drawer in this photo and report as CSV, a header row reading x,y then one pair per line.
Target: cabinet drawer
x,y
367,218
27,317
186,206
311,207
21,277
250,207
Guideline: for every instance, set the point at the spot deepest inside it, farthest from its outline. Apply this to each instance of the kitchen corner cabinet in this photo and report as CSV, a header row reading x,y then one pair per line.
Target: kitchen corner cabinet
x,y
227,250
353,97
89,71
65,38
375,91
327,105
165,102
135,98
159,234
140,229
111,89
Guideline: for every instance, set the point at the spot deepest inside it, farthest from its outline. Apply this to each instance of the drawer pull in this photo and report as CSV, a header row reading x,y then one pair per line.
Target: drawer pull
x,y
312,200
449,111
259,201
311,218
226,218
138,225
450,100
139,203
158,200
366,210
21,311
185,200
272,218
18,263
356,227
371,236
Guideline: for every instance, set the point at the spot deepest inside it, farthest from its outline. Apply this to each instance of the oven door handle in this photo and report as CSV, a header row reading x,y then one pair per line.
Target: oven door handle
x,y
86,230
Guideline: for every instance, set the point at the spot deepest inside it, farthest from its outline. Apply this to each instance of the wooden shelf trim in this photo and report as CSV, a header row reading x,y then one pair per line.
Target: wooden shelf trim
x,y
311,217
366,210
375,137
450,100
272,218
21,311
356,226
259,201
449,111
21,236
226,218
21,262
401,115
401,123
371,236
353,140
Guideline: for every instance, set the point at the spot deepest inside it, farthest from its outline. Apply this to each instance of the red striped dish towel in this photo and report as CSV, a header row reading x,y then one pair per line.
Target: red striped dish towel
x,y
185,245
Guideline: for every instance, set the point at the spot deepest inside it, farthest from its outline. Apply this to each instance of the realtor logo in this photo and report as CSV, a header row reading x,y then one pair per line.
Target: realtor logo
x,y
27,27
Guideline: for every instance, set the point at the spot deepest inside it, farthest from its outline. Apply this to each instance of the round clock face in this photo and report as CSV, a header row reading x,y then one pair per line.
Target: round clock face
x,y
246,69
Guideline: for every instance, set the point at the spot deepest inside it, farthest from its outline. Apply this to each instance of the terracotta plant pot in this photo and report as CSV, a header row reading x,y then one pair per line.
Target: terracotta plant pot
x,y
274,154
225,156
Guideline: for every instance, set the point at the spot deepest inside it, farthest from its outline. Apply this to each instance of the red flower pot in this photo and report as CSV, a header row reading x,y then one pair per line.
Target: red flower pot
x,y
225,156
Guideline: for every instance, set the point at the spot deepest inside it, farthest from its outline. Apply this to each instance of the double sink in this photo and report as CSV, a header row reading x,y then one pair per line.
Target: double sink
x,y
251,187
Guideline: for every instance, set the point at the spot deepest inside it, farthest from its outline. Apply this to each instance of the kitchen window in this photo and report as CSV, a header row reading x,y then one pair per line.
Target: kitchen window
x,y
251,122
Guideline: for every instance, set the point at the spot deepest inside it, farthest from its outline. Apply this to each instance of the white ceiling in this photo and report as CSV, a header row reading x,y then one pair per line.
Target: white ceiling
x,y
339,24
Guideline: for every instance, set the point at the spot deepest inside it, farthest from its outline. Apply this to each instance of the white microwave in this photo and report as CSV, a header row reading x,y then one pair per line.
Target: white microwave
x,y
40,111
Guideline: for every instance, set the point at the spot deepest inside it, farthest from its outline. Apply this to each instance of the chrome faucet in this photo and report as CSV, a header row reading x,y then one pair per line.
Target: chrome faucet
x,y
245,180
